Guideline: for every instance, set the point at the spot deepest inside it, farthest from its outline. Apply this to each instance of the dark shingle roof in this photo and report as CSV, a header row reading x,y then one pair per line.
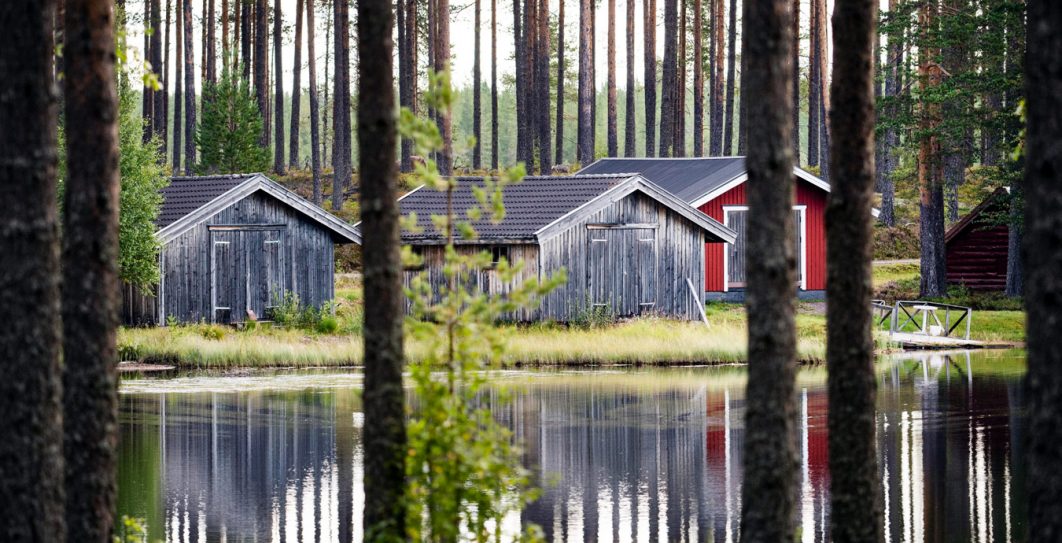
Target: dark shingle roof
x,y
529,205
686,178
187,194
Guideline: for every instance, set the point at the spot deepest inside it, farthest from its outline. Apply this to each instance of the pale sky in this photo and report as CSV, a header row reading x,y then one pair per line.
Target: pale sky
x,y
462,37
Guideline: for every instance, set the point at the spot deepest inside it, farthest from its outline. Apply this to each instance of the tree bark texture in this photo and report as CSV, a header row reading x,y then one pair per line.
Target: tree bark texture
x,y
731,67
225,44
821,25
189,92
261,65
278,82
613,134
296,91
158,123
855,506
743,106
649,80
890,147
814,85
718,79
770,462
629,141
698,77
315,126
31,489
164,76
559,154
586,84
542,120
477,90
210,36
796,81
147,97
178,87
1042,250
341,105
930,164
680,83
442,64
246,34
529,62
385,439
494,83
90,271
669,94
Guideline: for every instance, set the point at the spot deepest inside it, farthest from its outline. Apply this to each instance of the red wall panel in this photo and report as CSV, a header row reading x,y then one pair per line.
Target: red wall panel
x,y
807,194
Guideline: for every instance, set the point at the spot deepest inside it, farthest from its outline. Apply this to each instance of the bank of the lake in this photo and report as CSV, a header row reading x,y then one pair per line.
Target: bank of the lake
x,y
642,341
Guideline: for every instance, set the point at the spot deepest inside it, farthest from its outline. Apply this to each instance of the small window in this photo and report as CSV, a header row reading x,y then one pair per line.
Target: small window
x,y
497,254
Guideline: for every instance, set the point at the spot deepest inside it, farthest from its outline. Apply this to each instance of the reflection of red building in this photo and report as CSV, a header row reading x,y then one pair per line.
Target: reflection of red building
x,y
817,438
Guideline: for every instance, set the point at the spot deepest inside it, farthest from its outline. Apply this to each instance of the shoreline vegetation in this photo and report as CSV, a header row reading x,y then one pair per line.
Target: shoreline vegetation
x,y
644,341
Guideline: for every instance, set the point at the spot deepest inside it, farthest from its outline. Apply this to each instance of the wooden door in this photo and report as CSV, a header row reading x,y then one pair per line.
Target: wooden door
x,y
621,265
224,274
736,220
599,267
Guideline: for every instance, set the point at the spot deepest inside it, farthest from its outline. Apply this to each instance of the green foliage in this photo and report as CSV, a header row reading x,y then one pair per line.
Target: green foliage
x,y
142,177
289,311
213,331
463,467
231,125
895,243
130,530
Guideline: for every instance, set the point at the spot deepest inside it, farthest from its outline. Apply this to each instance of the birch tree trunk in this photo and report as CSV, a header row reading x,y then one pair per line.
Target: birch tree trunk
x,y
854,479
31,489
770,460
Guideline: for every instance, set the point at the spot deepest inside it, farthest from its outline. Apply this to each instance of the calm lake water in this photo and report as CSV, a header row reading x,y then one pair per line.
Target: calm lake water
x,y
621,455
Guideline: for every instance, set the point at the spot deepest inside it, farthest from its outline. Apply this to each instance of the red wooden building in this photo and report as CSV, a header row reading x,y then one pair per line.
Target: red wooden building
x,y
716,186
977,246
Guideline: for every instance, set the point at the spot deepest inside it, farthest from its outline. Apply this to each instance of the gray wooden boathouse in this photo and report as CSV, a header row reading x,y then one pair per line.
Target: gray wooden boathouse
x,y
628,246
236,244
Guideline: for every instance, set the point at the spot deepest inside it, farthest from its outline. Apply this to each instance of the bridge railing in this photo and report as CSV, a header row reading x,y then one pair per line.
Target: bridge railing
x,y
931,319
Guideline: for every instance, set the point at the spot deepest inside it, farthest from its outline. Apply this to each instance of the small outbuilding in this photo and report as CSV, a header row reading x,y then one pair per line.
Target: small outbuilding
x,y
628,246
716,186
233,246
977,246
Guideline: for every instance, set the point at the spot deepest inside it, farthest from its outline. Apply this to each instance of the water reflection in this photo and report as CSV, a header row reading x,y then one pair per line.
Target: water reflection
x,y
646,455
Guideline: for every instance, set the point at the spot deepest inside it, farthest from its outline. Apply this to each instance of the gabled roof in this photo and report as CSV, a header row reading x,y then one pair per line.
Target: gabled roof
x,y
538,207
970,219
695,180
188,201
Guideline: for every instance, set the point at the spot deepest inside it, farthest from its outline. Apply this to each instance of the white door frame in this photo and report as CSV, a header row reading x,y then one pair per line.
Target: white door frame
x,y
803,209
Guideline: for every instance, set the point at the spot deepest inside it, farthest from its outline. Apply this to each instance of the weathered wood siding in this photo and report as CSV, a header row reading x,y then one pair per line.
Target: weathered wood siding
x,y
977,257
242,258
485,280
644,264
138,306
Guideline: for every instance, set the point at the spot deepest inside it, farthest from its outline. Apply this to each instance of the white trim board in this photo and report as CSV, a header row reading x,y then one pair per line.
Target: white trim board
x,y
803,209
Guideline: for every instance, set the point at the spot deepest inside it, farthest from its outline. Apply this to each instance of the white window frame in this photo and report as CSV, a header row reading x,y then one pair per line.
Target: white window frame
x,y
803,209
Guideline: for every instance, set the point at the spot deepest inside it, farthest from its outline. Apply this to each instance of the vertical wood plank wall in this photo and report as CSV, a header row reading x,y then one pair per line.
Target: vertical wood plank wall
x,y
306,260
806,194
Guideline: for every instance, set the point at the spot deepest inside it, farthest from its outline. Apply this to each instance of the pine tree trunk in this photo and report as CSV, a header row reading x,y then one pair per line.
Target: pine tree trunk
x,y
278,82
341,105
559,156
680,84
770,458
930,167
90,268
743,106
261,64
731,81
718,79
147,97
164,75
189,92
814,85
893,68
315,127
210,33
649,80
158,109
855,505
442,64
296,91
698,77
494,85
178,87
1042,249
629,140
586,84
824,90
796,81
612,134
669,94
385,439
1015,68
519,52
245,37
31,489
542,121
526,152
326,123
225,44
407,73
477,88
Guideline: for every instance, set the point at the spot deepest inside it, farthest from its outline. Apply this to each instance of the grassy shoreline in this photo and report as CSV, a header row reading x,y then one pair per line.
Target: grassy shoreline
x,y
637,342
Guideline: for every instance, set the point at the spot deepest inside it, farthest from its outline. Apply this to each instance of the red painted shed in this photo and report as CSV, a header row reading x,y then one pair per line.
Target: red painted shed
x,y
977,246
716,186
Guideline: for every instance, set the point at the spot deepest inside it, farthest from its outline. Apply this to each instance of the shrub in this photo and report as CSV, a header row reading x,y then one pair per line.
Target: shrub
x,y
327,325
899,242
